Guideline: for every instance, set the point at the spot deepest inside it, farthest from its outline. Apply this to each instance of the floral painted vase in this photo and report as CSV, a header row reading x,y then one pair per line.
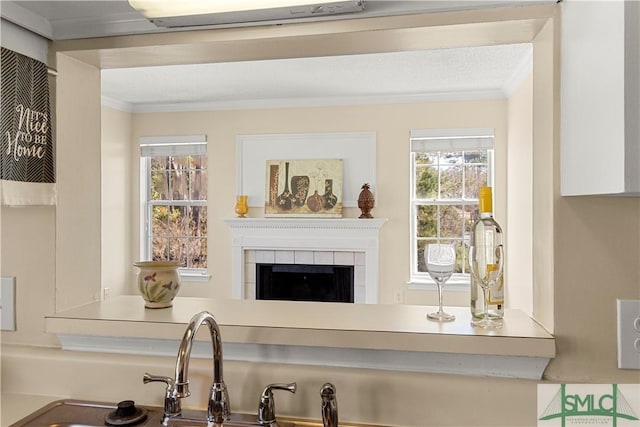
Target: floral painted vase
x,y
158,282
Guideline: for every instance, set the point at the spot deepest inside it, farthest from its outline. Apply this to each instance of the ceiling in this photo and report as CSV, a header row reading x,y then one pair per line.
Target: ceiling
x,y
461,73
485,72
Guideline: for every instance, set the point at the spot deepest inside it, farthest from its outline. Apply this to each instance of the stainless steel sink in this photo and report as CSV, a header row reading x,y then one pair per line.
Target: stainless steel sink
x,y
69,425
75,413
79,413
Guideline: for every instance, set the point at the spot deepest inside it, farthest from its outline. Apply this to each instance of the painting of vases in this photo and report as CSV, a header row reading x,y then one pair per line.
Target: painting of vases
x,y
304,188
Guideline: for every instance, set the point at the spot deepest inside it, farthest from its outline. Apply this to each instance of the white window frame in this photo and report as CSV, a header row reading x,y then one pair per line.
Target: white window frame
x,y
432,140
163,146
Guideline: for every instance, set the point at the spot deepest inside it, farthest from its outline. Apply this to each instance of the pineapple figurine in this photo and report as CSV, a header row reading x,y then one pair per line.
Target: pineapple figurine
x,y
366,201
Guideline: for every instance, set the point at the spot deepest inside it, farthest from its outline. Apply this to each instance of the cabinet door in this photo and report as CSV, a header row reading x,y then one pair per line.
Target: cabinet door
x,y
600,93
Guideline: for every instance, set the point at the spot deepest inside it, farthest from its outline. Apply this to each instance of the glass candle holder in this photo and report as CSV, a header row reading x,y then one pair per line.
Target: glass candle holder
x,y
242,207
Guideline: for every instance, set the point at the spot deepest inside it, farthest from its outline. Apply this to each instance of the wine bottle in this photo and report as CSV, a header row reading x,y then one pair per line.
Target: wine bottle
x,y
486,261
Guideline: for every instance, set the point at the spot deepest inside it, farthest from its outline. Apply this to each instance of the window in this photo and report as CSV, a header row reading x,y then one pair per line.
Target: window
x,y
448,168
173,189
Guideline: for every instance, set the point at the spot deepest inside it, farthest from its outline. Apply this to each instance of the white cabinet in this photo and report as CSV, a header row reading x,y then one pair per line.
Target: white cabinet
x,y
600,98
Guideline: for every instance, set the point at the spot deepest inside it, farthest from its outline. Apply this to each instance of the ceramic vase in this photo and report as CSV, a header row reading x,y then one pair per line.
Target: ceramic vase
x,y
328,197
314,202
158,282
242,207
285,200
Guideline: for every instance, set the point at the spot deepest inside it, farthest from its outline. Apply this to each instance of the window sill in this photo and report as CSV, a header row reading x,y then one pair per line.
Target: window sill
x,y
195,277
389,337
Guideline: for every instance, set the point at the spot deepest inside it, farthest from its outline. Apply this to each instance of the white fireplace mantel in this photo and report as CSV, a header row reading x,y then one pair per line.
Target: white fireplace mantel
x,y
302,234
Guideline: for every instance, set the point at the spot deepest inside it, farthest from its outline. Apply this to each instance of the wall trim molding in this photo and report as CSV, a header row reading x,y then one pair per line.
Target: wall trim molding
x,y
519,367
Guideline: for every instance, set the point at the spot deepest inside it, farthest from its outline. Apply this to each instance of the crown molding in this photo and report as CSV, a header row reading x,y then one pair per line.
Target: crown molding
x,y
257,104
26,19
117,104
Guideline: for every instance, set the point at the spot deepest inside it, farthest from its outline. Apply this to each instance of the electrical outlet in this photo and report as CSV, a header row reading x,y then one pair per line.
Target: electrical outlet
x,y
628,334
8,303
397,297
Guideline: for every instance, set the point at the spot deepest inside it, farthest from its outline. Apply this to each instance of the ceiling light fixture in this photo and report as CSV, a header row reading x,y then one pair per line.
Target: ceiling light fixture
x,y
171,13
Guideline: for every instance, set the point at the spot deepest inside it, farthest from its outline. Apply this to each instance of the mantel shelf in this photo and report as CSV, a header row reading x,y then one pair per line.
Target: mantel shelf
x,y
389,337
315,223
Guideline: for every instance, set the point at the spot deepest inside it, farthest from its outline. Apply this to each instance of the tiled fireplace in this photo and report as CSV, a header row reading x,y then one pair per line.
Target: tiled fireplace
x,y
307,259
299,241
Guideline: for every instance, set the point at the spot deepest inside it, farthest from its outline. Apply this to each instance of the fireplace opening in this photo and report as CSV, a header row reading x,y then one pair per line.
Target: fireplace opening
x,y
302,282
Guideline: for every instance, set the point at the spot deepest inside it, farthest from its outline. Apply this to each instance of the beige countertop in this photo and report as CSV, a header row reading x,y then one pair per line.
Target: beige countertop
x,y
17,406
359,326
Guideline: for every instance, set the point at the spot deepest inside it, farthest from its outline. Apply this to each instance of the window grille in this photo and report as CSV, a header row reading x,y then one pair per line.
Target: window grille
x,y
174,200
448,166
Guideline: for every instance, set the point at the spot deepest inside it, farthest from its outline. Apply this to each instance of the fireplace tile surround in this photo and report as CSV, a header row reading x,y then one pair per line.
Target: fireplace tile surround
x,y
352,242
353,259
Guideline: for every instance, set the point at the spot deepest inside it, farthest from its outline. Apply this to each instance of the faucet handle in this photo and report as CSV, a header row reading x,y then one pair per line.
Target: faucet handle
x,y
150,378
172,405
266,409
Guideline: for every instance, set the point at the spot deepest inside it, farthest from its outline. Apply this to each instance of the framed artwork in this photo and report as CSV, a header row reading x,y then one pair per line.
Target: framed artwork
x,y
304,188
356,149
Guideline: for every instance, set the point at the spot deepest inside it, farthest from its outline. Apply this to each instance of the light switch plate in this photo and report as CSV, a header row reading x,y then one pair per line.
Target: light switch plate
x,y
8,303
628,334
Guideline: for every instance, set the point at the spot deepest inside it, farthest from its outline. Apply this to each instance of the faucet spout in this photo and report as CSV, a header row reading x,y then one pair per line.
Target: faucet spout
x,y
329,405
218,408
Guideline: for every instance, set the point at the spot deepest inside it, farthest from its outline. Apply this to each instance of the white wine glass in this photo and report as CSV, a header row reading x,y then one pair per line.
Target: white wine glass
x,y
487,275
441,262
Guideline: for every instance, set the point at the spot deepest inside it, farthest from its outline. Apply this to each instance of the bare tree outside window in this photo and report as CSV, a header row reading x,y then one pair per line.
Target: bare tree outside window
x,y
177,209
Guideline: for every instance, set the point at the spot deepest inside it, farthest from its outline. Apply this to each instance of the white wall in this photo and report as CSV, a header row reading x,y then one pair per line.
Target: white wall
x,y
116,205
392,124
78,166
27,234
545,161
519,235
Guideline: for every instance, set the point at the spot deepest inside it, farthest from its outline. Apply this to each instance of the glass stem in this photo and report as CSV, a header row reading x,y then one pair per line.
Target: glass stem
x,y
439,283
485,302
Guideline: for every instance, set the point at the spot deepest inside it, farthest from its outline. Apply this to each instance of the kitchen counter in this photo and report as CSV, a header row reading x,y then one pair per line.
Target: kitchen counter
x,y
17,406
396,337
